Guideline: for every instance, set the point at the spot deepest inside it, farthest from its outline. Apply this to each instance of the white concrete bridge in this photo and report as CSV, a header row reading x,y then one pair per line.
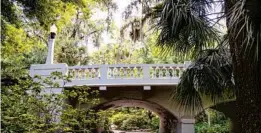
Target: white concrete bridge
x,y
142,85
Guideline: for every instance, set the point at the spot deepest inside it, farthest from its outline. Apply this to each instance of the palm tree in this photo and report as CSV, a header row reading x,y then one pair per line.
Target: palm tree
x,y
209,76
185,26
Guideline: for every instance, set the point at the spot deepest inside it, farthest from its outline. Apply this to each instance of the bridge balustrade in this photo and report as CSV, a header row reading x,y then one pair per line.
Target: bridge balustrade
x,y
152,71
116,75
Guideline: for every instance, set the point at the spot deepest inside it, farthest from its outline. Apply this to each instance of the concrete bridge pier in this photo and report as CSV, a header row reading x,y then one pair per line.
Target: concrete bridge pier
x,y
168,124
186,126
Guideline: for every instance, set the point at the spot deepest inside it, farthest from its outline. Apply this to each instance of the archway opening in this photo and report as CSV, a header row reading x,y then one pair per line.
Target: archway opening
x,y
129,114
133,119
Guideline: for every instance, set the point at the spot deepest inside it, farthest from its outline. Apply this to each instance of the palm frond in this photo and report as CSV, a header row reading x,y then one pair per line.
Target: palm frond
x,y
210,77
184,27
186,96
245,27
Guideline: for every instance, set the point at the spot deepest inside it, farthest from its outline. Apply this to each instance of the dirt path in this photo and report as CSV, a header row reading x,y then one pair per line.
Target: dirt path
x,y
117,131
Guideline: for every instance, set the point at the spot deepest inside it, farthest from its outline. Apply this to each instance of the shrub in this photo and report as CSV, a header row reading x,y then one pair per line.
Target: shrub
x,y
119,118
219,123
135,122
154,123
135,118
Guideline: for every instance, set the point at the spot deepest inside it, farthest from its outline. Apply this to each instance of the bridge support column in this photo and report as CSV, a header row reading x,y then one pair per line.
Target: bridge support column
x,y
168,124
186,126
56,91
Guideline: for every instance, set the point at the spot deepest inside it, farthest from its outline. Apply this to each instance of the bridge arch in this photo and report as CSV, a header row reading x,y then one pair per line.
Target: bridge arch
x,y
168,121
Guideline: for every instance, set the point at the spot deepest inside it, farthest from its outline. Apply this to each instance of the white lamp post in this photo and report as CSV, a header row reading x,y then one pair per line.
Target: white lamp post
x,y
53,30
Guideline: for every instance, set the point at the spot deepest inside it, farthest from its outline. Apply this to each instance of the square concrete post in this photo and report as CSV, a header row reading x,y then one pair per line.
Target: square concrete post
x,y
56,91
187,126
146,72
45,70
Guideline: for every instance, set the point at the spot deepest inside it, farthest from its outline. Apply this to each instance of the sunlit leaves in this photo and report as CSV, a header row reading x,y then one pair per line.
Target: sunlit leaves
x,y
13,42
47,12
15,45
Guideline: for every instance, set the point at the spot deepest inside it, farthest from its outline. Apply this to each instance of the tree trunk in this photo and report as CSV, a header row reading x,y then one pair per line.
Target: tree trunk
x,y
246,70
248,96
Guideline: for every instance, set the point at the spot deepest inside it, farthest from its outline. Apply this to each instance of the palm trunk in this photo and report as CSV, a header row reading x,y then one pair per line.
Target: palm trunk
x,y
248,95
247,75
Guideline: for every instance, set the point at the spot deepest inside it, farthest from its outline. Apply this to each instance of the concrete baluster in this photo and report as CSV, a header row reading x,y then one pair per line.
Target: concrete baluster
x,y
125,72
167,72
83,73
72,73
118,72
111,72
171,72
160,71
154,72
131,72
90,73
175,71
80,73
76,74
138,71
96,72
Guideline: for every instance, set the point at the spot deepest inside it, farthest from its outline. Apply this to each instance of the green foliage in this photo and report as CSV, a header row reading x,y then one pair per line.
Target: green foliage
x,y
25,25
18,52
184,28
26,108
216,128
115,54
118,118
45,12
134,122
215,122
154,123
209,78
134,118
135,53
151,53
71,54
